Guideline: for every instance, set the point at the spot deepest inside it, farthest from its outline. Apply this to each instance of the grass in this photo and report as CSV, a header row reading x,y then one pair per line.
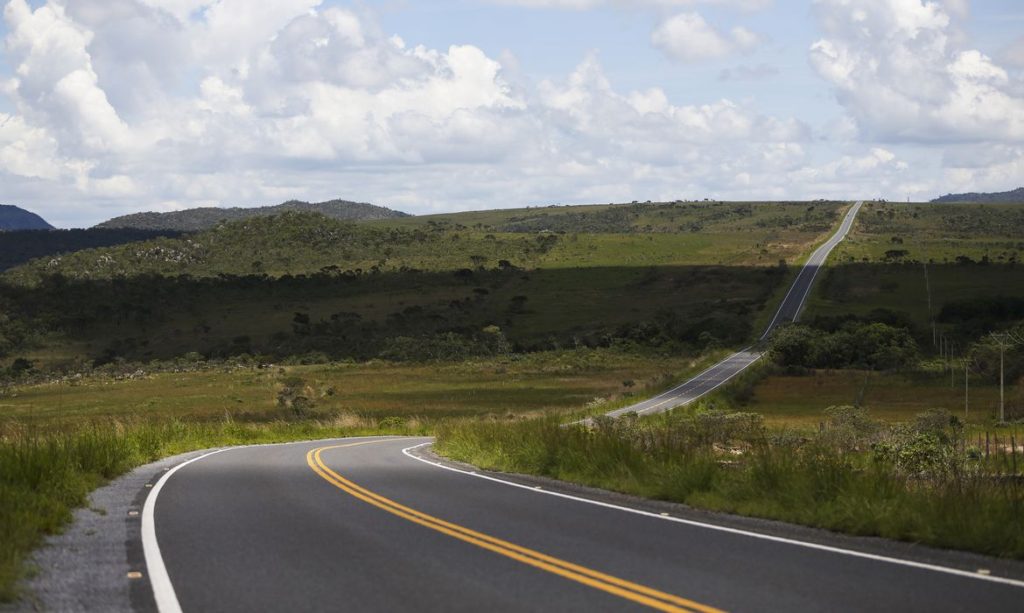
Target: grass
x,y
548,381
730,463
797,400
861,277
861,288
935,233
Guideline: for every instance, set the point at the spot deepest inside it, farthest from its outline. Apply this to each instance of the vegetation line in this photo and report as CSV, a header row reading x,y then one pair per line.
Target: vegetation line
x,y
925,482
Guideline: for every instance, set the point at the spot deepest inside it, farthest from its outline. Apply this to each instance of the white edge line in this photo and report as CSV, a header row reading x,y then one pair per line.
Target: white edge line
x,y
675,389
757,535
632,408
711,389
163,590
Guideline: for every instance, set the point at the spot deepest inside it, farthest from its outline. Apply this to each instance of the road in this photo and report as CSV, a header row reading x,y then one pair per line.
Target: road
x,y
789,311
367,525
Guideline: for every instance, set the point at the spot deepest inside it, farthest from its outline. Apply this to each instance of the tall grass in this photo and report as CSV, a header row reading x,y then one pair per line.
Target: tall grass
x,y
45,475
917,482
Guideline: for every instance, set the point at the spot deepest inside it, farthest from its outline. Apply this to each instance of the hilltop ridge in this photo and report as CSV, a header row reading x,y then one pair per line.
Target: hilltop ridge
x,y
198,219
1016,195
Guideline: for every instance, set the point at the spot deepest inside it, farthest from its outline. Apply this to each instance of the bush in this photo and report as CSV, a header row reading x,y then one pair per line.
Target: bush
x,y
873,346
295,395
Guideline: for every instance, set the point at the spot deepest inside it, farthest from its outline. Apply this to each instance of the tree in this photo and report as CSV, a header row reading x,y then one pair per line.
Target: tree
x,y
794,345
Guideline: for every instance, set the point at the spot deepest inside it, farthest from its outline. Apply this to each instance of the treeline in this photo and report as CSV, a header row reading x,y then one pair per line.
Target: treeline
x,y
854,344
19,247
676,216
404,315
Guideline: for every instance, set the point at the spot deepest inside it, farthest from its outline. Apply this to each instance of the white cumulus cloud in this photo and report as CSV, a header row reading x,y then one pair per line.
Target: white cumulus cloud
x,y
688,37
899,68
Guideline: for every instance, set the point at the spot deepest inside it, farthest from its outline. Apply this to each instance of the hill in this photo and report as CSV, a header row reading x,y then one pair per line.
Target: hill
x,y
676,274
296,243
16,218
1016,195
194,220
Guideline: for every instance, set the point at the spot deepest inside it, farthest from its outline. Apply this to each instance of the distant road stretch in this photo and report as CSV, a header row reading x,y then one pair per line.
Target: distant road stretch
x,y
720,373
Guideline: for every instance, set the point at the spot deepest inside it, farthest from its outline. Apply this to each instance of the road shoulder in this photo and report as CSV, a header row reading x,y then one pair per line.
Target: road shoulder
x,y
86,567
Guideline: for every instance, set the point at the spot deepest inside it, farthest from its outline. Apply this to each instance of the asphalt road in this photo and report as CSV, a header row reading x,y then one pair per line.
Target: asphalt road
x,y
359,525
789,311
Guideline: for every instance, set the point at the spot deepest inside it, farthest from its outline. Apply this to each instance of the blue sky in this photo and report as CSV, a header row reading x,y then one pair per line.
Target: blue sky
x,y
115,106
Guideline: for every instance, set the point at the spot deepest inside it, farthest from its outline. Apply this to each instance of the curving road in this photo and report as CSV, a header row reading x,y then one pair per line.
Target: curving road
x,y
377,524
789,311
371,525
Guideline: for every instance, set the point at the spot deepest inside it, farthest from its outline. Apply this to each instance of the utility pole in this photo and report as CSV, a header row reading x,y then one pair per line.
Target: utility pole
x,y
951,371
1003,340
928,290
966,388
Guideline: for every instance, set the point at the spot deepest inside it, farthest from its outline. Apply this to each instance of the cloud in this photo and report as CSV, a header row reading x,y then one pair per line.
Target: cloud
x,y
687,37
635,4
55,83
900,70
309,102
748,73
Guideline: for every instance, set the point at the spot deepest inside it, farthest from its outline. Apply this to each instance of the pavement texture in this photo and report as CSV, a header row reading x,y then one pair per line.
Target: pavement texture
x,y
259,529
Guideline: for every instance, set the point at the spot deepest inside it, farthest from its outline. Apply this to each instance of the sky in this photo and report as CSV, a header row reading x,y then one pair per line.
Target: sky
x,y
109,107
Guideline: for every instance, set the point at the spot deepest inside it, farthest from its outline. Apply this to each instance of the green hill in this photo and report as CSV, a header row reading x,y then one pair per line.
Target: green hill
x,y
16,218
675,275
192,220
297,243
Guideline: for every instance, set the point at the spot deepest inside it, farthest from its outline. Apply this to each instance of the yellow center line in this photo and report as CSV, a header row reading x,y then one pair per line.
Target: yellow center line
x,y
613,585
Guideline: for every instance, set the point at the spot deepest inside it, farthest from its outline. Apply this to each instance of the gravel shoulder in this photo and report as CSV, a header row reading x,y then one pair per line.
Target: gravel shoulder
x,y
86,567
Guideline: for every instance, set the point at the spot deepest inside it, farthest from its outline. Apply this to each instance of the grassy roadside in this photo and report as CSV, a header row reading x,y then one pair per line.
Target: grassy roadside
x,y
44,476
923,482
61,439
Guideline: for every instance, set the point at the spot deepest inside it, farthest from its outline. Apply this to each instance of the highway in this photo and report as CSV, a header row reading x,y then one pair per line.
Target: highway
x,y
379,524
371,525
789,311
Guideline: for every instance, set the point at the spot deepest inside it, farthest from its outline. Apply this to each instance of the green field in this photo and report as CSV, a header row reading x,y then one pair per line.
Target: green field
x,y
861,277
892,397
551,381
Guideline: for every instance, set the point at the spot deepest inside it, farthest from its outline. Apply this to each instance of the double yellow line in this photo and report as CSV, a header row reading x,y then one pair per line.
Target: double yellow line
x,y
613,585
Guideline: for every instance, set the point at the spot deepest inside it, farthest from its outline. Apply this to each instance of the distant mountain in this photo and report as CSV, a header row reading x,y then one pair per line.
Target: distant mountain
x,y
15,218
1016,195
194,220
